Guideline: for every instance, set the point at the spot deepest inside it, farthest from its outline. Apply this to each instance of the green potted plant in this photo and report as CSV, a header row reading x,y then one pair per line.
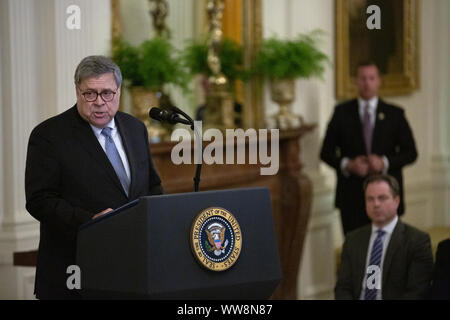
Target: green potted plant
x,y
146,69
195,56
151,65
284,61
195,59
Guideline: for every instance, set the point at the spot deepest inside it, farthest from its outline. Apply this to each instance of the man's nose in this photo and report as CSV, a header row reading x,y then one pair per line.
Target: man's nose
x,y
99,100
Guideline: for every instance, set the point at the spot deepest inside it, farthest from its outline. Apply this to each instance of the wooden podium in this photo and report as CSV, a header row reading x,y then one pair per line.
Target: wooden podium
x,y
290,190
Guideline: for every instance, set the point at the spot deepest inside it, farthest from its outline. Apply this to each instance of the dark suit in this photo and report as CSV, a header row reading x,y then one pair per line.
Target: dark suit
x,y
68,179
392,137
440,289
407,266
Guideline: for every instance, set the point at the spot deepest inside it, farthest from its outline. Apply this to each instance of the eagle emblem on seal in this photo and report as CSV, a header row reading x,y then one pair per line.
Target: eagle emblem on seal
x,y
216,238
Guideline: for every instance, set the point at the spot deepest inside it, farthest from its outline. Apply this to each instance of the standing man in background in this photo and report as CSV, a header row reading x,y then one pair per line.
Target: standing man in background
x,y
366,136
80,165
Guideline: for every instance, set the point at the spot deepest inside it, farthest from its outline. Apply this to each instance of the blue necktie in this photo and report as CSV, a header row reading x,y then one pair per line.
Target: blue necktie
x,y
114,158
375,260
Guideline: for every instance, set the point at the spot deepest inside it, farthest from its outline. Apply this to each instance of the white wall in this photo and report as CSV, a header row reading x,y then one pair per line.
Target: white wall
x,y
427,180
38,59
2,134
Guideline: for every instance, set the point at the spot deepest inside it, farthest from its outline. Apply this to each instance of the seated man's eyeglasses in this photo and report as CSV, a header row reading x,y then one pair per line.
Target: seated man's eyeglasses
x,y
91,96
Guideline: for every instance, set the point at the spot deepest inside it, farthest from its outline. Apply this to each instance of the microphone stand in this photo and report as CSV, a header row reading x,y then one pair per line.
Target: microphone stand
x,y
199,147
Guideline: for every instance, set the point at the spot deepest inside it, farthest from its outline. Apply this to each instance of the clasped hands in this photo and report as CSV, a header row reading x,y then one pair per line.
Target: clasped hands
x,y
364,165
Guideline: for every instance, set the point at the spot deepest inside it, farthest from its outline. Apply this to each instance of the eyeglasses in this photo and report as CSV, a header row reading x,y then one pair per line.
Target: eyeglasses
x,y
91,96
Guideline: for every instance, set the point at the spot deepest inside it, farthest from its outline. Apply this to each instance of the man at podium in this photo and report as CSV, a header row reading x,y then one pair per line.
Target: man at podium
x,y
81,164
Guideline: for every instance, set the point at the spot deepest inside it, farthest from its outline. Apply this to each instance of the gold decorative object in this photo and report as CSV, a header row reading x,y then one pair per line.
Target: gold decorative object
x,y
159,131
141,100
159,9
214,9
219,111
283,92
253,115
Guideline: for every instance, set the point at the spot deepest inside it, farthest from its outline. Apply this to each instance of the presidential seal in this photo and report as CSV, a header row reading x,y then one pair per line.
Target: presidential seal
x,y
216,239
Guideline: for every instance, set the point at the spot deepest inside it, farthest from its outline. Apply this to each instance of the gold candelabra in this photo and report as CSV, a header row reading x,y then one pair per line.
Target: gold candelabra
x,y
219,112
159,9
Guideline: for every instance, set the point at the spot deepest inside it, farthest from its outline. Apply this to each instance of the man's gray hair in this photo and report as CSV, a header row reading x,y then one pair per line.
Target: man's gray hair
x,y
95,66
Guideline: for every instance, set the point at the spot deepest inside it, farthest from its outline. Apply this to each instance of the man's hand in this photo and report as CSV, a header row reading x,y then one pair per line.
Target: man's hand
x,y
102,213
358,166
376,164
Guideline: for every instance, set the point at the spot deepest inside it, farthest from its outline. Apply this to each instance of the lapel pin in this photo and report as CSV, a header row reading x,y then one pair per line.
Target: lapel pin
x,y
381,116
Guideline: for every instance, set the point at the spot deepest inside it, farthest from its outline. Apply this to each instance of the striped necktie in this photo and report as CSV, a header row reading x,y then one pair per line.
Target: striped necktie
x,y
375,260
114,158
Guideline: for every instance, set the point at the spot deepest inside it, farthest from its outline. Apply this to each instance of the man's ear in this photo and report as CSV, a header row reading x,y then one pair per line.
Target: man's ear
x,y
77,92
397,200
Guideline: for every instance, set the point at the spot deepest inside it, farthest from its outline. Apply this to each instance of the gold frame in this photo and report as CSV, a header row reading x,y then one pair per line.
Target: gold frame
x,y
392,84
253,115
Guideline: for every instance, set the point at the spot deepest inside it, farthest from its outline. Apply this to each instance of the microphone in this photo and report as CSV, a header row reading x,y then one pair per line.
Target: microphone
x,y
173,117
166,116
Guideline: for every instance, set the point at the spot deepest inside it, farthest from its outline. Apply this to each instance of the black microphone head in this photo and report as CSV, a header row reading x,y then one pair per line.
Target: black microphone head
x,y
165,115
157,114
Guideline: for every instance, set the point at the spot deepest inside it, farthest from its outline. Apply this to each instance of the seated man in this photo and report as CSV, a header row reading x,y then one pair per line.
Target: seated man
x,y
386,259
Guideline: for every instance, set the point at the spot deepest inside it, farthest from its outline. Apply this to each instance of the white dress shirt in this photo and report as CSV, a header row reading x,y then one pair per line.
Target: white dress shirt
x,y
388,229
117,141
373,103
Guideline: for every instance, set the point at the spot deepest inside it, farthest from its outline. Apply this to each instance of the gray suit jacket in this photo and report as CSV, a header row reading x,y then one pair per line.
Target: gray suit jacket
x,y
407,266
